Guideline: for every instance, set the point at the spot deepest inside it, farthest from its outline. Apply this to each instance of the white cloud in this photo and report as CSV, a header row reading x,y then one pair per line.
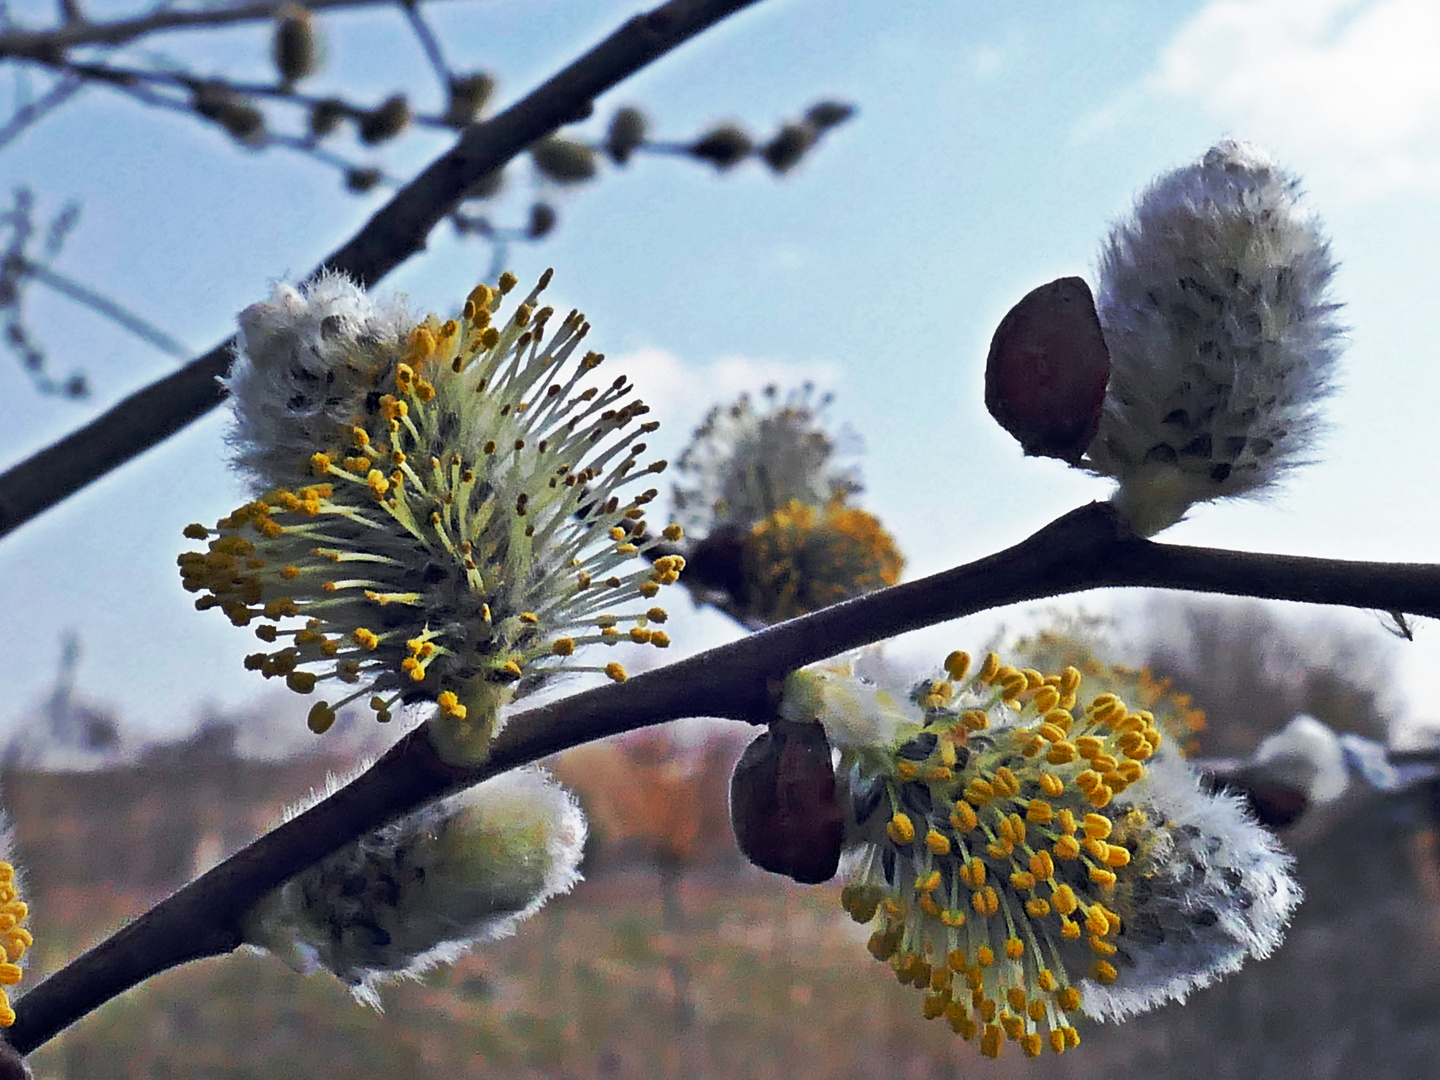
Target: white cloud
x,y
1348,89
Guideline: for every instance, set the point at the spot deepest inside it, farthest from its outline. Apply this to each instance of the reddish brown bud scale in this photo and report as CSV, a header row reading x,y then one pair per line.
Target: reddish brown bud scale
x,y
782,803
1046,374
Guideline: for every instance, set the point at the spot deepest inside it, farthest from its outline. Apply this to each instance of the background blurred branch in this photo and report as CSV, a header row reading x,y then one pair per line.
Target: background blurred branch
x,y
47,45
1085,549
396,232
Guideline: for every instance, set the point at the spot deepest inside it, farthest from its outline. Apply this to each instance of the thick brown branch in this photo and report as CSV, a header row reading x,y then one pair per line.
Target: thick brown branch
x,y
398,231
1087,548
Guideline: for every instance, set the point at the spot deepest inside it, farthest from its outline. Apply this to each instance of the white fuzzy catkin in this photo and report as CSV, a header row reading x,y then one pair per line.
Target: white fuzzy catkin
x,y
423,890
1219,889
745,462
302,371
1223,340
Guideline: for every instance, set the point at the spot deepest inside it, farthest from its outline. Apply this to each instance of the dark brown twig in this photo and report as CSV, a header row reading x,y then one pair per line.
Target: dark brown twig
x,y
395,233
1087,548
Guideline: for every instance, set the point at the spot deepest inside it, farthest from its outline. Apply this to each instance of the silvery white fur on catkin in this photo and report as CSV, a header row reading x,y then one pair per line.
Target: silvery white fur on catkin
x,y
1223,340
302,371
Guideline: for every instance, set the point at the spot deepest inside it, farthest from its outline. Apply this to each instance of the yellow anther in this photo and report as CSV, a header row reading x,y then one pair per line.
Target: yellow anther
x,y
1005,782
979,792
1066,820
928,882
1103,972
450,705
972,873
901,829
1101,876
957,665
986,901
1100,947
938,843
1039,812
615,671
660,639
1017,828
975,720
1063,900
1042,866
984,956
1117,857
1097,826
1060,717
990,1041
1089,745
1067,847
1070,930
1068,998
964,818
321,717
1037,908
1062,753
366,639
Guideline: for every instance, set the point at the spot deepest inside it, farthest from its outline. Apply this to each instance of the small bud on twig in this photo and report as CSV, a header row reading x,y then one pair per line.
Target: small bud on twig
x,y
724,147
386,121
627,132
542,220
563,161
295,48
326,115
824,115
783,806
468,96
360,181
784,152
1046,374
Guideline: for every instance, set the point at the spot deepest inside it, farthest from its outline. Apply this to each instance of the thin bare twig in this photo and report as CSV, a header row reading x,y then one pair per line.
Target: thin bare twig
x,y
1087,548
66,87
121,316
395,233
427,39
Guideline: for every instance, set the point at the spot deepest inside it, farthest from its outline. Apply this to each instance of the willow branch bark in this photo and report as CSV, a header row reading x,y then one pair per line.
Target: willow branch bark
x,y
395,233
1086,549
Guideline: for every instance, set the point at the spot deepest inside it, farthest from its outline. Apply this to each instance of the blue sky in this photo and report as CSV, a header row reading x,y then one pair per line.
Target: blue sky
x,y
994,145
